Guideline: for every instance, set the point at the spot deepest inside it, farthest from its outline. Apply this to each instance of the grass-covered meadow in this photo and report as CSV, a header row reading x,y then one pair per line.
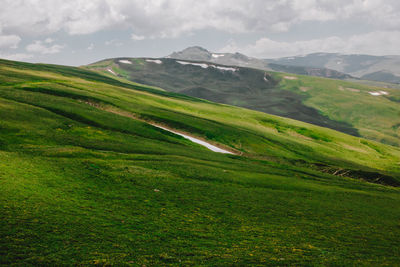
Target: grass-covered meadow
x,y
83,182
336,104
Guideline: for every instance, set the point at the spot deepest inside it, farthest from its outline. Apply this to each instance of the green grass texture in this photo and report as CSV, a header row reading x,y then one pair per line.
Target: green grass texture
x,y
85,180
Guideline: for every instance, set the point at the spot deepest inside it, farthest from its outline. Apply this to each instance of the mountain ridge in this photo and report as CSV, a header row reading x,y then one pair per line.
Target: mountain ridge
x,y
357,65
198,53
320,64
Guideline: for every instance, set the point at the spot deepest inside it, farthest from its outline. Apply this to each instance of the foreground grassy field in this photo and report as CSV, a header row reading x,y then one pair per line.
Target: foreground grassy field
x,y
83,182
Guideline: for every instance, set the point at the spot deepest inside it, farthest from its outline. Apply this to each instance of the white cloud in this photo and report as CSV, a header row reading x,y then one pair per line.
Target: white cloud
x,y
374,43
137,37
9,41
154,19
49,40
172,18
113,43
34,17
41,48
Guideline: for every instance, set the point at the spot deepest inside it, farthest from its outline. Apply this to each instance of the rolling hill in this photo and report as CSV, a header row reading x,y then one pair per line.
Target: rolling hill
x,y
360,110
86,179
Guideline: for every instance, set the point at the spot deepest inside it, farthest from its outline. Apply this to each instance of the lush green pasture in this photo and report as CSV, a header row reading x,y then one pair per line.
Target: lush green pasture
x,y
375,117
344,106
82,185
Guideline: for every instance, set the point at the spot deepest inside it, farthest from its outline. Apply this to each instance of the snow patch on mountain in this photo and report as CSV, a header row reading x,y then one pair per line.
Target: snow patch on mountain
x,y
110,70
217,55
124,61
157,61
378,93
205,66
224,68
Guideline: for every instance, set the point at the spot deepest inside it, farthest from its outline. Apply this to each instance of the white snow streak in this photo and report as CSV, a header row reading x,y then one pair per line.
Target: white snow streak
x,y
198,141
205,66
378,93
125,61
157,61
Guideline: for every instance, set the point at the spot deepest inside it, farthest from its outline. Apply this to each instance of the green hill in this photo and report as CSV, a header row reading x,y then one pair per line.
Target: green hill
x,y
340,105
85,179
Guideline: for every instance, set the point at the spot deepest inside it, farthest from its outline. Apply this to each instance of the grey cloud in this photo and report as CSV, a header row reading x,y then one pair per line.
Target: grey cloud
x,y
127,27
374,43
43,47
49,16
9,41
161,18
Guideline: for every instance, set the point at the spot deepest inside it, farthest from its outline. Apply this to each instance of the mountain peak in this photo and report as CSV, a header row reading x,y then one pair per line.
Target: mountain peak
x,y
192,53
197,53
195,48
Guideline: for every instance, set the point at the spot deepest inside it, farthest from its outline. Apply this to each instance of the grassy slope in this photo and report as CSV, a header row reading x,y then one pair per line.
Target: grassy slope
x,y
376,117
245,87
323,103
77,182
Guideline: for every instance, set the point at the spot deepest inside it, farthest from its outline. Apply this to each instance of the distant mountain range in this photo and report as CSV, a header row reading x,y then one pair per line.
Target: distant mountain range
x,y
197,53
366,67
328,65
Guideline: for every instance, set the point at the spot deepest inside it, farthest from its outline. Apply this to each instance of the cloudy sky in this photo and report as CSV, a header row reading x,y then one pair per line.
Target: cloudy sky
x,y
78,32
